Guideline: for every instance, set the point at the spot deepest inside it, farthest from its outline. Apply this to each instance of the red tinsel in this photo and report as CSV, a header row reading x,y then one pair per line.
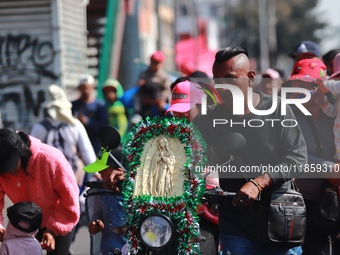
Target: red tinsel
x,y
171,129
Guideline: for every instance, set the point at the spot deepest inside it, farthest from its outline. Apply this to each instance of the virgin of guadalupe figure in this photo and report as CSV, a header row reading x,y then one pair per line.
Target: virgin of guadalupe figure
x,y
162,169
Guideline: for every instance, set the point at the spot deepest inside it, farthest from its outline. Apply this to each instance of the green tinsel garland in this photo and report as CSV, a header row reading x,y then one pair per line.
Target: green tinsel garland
x,y
182,209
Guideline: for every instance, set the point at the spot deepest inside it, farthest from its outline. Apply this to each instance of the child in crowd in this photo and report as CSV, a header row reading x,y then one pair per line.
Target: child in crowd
x,y
186,100
108,214
113,91
24,222
186,103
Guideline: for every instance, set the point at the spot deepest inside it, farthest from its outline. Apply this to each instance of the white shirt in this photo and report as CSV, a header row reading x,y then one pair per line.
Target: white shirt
x,y
78,137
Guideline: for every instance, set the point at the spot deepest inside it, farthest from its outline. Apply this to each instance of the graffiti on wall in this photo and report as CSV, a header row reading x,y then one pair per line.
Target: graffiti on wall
x,y
26,64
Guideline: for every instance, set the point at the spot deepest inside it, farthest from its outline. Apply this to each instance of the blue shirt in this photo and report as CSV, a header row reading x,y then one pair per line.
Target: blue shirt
x,y
109,209
96,112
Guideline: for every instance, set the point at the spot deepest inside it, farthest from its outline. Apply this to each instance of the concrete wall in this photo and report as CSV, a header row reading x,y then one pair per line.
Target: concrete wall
x,y
41,42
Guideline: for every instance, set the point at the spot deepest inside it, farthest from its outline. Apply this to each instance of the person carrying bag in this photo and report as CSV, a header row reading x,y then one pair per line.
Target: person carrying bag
x,y
282,217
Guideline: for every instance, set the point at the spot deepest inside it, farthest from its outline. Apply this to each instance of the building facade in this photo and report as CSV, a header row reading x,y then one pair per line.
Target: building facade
x,y
42,42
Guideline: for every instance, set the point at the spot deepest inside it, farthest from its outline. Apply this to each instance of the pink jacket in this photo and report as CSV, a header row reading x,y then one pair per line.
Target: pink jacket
x,y
52,186
19,242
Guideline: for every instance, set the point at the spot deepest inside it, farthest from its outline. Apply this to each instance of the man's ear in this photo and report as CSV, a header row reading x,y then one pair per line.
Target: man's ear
x,y
251,75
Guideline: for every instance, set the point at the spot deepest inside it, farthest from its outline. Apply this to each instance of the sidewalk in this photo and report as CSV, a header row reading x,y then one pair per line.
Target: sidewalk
x,y
81,245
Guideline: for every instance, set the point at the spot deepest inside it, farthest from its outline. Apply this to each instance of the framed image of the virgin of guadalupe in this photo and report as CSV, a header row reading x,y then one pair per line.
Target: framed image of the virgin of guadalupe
x,y
164,157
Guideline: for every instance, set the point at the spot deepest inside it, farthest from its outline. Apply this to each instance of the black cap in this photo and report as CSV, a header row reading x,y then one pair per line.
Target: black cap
x,y
10,148
307,47
25,216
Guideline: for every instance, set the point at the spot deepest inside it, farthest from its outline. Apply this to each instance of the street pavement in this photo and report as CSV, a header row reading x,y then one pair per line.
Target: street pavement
x,y
81,245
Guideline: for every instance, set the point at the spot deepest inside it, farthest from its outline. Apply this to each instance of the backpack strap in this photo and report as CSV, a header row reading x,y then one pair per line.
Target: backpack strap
x,y
58,137
294,185
48,126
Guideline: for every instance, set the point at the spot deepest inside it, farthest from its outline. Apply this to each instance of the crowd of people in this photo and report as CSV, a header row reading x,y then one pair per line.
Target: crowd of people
x,y
46,165
240,219
50,180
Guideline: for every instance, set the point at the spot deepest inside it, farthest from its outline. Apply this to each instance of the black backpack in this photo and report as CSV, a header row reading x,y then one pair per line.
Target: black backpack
x,y
58,137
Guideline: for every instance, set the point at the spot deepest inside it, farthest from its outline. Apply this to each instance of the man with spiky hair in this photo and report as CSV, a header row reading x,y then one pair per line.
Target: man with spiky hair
x,y
242,220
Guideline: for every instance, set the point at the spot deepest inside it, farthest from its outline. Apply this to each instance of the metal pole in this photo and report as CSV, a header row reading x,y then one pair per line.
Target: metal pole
x,y
159,26
264,49
190,5
272,31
